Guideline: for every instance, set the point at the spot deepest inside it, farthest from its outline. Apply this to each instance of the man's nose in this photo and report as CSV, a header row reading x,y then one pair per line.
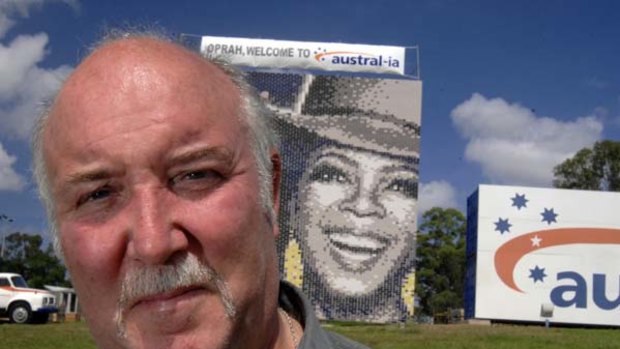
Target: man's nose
x,y
154,235
363,202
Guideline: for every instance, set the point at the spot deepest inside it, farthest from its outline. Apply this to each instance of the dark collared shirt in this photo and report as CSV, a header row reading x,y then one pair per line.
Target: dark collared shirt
x,y
315,337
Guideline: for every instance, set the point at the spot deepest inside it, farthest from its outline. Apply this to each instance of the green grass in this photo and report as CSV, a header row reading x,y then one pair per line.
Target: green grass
x,y
68,335
72,335
479,337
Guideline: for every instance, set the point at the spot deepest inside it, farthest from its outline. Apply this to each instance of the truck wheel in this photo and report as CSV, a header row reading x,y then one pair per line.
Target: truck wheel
x,y
19,313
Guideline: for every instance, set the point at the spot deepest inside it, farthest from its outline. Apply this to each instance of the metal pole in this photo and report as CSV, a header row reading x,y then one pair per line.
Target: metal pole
x,y
4,219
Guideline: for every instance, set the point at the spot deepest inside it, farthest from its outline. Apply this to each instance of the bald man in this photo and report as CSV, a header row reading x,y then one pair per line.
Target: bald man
x,y
160,174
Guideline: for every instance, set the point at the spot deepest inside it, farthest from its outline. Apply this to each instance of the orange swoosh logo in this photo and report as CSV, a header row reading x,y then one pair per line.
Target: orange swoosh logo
x,y
318,56
508,255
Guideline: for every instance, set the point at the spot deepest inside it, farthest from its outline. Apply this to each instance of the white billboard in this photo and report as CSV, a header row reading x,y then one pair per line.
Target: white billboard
x,y
284,54
534,248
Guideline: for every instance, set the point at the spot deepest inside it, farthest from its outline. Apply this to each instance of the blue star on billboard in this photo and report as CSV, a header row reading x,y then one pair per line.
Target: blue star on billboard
x,y
537,274
549,216
502,226
519,201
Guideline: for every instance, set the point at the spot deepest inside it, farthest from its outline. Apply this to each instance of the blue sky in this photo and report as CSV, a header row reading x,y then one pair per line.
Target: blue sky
x,y
511,88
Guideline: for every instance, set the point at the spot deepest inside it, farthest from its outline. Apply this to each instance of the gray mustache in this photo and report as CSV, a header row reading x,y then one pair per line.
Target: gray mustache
x,y
184,271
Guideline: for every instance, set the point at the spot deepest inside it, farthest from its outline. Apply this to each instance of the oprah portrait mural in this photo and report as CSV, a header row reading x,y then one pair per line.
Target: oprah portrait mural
x,y
350,148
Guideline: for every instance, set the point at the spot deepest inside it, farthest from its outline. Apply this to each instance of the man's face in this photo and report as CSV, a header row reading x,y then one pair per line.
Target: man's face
x,y
150,167
357,217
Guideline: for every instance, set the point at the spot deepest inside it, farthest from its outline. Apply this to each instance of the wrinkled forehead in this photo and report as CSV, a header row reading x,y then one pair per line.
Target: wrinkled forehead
x,y
127,85
139,74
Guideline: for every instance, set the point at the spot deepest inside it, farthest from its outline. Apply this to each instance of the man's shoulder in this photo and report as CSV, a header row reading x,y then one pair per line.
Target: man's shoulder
x,y
315,336
342,342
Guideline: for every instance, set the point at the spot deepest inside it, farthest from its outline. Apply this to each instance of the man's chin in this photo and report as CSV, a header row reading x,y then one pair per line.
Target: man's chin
x,y
183,340
174,321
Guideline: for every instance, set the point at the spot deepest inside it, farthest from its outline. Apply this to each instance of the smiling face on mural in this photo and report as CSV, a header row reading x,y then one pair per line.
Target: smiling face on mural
x,y
357,217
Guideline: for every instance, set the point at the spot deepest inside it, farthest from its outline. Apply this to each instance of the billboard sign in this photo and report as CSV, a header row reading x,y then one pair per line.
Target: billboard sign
x,y
544,253
266,53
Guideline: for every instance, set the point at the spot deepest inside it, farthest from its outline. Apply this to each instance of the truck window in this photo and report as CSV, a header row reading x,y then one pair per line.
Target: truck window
x,y
4,282
19,281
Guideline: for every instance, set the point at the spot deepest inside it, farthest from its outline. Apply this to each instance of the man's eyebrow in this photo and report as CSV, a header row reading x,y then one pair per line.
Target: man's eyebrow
x,y
207,153
88,176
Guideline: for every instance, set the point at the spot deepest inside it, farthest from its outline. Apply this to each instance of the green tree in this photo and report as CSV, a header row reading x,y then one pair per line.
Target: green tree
x,y
23,254
596,168
440,258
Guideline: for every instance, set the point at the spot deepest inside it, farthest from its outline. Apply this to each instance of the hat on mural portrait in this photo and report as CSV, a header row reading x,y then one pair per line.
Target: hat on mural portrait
x,y
381,115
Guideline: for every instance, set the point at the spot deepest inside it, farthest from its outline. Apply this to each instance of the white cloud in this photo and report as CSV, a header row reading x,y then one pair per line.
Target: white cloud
x,y
12,9
513,145
9,179
23,84
436,194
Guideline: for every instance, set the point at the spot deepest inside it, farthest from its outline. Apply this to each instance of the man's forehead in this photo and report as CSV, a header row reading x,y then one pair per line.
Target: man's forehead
x,y
134,63
144,50
126,84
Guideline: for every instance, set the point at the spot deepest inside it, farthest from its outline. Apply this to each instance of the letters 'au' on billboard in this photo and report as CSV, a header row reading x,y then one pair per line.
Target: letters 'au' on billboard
x,y
350,151
543,253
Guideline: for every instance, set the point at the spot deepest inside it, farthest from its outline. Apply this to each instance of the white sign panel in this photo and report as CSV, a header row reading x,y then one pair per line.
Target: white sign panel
x,y
550,249
265,53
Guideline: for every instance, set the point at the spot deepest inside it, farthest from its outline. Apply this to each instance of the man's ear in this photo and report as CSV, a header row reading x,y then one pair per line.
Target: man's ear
x,y
276,178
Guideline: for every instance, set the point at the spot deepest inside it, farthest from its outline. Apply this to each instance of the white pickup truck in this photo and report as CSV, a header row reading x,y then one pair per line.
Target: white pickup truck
x,y
23,304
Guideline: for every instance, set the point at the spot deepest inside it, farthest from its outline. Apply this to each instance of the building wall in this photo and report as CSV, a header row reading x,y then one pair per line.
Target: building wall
x,y
350,150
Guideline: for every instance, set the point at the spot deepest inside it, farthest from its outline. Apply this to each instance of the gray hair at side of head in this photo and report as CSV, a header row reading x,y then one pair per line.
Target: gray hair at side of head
x,y
253,112
260,121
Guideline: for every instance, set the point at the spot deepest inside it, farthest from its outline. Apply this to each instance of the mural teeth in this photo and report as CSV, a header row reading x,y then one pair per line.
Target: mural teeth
x,y
357,243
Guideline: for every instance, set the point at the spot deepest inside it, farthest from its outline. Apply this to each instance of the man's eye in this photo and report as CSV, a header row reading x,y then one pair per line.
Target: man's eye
x,y
407,187
95,195
195,175
329,174
196,179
